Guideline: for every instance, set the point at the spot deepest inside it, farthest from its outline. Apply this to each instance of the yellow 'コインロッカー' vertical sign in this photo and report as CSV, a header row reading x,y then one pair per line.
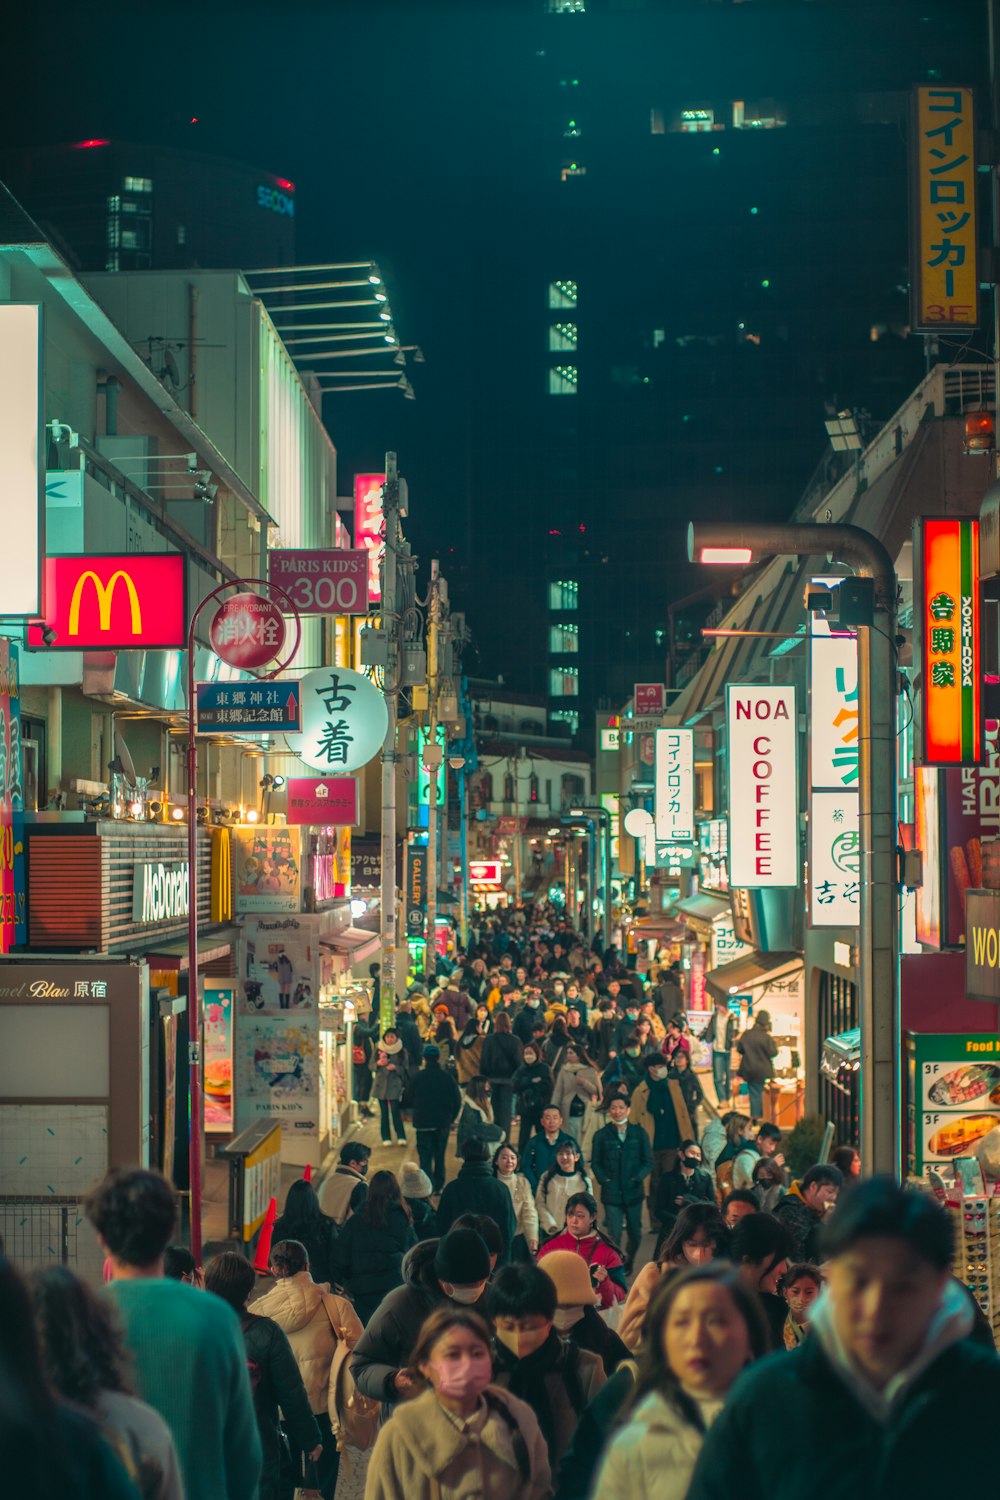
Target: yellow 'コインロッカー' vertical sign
x,y
944,277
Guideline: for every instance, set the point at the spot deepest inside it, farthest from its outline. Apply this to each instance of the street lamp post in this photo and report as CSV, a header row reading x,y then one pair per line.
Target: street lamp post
x,y
592,816
878,965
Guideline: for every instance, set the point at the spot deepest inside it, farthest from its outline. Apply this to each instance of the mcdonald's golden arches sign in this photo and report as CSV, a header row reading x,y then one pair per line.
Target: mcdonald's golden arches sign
x,y
113,602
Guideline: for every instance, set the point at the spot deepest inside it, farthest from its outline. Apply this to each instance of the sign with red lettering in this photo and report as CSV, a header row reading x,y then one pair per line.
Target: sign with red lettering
x,y
247,631
328,582
485,872
762,736
328,800
113,602
369,523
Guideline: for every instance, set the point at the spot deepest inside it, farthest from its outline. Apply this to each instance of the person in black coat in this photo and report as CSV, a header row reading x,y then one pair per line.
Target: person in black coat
x,y
368,1255
435,1099
409,1035
499,1061
305,1221
274,1373
475,1190
533,1085
684,1183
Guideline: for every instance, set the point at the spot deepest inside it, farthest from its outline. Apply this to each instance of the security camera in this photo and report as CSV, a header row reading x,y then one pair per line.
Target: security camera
x,y
49,636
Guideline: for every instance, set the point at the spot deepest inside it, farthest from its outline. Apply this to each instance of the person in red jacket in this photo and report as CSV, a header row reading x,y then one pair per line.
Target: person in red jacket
x,y
581,1235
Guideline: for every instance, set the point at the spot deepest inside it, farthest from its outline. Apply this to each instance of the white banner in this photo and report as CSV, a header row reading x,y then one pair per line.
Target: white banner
x,y
833,709
673,783
762,735
834,860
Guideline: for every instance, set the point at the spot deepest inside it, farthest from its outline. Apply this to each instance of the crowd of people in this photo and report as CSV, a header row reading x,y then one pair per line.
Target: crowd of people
x,y
619,1294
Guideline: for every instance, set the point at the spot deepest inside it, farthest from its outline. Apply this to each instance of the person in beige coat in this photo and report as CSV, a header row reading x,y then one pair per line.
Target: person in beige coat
x,y
505,1164
577,1090
462,1438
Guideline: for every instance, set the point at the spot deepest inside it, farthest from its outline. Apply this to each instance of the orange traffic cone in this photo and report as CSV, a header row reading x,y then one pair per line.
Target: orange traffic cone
x,y
307,1175
262,1254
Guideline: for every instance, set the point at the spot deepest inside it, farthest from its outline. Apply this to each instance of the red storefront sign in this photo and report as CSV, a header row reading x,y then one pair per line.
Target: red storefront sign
x,y
247,631
368,522
113,602
485,872
955,811
649,699
330,801
328,582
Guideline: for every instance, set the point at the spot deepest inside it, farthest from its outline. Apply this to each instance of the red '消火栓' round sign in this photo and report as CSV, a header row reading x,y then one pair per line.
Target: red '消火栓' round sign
x,y
247,631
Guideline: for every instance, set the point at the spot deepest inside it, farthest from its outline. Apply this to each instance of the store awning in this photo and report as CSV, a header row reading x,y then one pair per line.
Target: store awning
x,y
706,907
353,944
658,924
211,947
754,971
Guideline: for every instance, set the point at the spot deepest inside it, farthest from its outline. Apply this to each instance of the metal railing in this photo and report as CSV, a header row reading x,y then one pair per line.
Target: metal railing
x,y
50,1231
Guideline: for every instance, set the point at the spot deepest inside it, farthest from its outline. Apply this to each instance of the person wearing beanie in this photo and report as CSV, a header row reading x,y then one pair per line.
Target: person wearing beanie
x,y
475,1190
576,1316
435,1099
415,1185
453,1269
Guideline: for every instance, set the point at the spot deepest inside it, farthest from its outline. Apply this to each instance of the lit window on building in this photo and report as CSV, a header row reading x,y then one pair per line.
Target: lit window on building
x,y
137,184
182,234
564,682
693,121
562,336
564,639
758,114
562,293
566,716
571,169
563,380
564,593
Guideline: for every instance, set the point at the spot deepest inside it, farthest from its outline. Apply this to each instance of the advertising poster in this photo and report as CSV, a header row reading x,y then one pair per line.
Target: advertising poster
x,y
218,1054
279,965
278,1071
953,1096
12,886
267,870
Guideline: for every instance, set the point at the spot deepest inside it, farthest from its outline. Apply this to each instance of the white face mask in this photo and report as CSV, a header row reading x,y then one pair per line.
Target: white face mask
x,y
658,1072
566,1317
464,1294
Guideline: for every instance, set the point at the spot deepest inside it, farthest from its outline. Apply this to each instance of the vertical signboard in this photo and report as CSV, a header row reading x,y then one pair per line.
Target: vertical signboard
x,y
12,885
761,739
22,468
944,277
219,994
957,822
673,783
368,522
416,891
947,640
834,805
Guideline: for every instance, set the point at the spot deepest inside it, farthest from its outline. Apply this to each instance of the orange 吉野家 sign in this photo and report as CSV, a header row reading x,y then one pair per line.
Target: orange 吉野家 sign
x,y
113,602
946,614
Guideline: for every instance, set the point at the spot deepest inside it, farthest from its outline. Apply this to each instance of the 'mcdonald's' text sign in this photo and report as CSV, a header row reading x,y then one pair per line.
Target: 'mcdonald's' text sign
x,y
113,602
761,734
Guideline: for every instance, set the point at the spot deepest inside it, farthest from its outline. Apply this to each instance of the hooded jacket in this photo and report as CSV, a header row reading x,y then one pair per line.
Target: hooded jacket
x,y
886,1442
278,1384
421,1453
296,1305
654,1454
389,1339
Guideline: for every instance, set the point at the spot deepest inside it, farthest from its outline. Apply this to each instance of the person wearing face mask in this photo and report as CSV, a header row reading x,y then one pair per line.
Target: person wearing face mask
x,y
582,1236
463,1436
625,1027
576,1317
454,1269
761,1248
627,1066
703,1330
525,1019
800,1287
577,1090
686,1183
622,1160
555,1378
533,1085
658,1106
564,1178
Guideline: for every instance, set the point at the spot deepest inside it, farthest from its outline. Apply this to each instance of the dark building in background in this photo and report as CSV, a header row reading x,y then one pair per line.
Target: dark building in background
x,y
120,206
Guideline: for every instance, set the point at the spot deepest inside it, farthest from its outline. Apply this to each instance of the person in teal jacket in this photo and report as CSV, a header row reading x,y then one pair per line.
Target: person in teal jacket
x,y
188,1356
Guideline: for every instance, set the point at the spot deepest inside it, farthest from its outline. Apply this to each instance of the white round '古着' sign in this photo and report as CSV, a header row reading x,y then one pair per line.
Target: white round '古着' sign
x,y
344,720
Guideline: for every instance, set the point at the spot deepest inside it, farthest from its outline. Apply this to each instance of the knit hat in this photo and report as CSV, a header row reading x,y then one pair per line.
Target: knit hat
x,y
462,1258
431,1050
569,1275
414,1181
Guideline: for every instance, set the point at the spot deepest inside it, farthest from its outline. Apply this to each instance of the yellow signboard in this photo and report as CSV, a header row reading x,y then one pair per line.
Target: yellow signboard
x,y
943,271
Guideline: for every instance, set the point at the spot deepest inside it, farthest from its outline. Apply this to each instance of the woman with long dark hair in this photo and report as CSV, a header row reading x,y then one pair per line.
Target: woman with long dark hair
x,y
368,1256
699,1235
565,1177
704,1328
603,1257
305,1221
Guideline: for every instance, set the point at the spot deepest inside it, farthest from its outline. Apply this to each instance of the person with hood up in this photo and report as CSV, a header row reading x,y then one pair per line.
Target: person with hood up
x,y
523,1200
453,1270
533,1085
886,1367
469,1051
435,1100
368,1256
308,1315
476,1190
422,1013
390,1085
461,1438
565,1177
577,1090
476,1118
804,1207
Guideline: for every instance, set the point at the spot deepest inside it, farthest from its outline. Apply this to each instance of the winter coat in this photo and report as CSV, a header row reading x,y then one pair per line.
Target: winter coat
x,y
654,1454
713,1143
698,1185
803,1222
621,1167
409,1034
502,1055
668,998
391,1335
550,1199
141,1438
468,1055
882,1447
276,1382
541,1155
723,1043
367,1262
596,1252
558,1381
422,1454
296,1305
591,1332
434,1097
319,1240
422,1014
475,1190
576,1081
631,1070
459,1005
533,1085
342,1193
646,1284
661,1103
523,1200
524,1021
690,1086
596,1426
757,1048
743,1164
474,1121
390,1078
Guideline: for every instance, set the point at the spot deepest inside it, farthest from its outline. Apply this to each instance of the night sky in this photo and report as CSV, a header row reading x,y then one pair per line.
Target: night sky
x,y
416,135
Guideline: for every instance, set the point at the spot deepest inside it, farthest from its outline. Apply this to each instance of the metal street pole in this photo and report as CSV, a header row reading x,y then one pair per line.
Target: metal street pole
x,y
878,962
391,624
432,759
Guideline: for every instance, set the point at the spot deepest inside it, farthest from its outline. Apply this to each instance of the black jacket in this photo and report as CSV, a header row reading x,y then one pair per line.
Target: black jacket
x,y
757,1049
367,1262
434,1097
319,1241
690,1086
533,1085
501,1057
592,1333
409,1035
388,1341
524,1021
621,1166
803,1222
275,1381
551,1380
699,1187
476,1191
575,1480
825,1442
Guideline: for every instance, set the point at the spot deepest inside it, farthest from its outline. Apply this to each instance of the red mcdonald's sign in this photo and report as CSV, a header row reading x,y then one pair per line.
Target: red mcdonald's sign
x,y
113,602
